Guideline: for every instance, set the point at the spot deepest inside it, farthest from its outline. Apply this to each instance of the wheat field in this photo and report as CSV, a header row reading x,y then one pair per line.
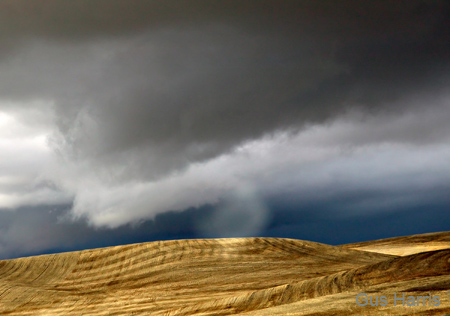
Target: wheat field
x,y
235,276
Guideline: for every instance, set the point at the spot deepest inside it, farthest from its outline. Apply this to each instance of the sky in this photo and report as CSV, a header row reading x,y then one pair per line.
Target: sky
x,y
132,121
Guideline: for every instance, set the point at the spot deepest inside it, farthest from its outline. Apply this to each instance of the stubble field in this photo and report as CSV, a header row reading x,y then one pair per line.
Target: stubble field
x,y
236,276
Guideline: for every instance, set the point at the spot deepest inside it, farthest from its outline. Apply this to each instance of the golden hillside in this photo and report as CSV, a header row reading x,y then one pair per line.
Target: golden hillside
x,y
406,245
245,276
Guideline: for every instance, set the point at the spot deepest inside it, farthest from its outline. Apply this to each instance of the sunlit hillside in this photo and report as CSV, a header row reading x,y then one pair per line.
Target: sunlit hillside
x,y
244,276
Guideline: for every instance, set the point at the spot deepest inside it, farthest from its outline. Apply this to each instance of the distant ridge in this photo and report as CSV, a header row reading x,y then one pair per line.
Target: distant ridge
x,y
245,276
405,245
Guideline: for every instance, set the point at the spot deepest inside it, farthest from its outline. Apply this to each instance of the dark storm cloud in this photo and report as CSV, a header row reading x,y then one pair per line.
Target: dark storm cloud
x,y
144,94
84,19
288,62
178,85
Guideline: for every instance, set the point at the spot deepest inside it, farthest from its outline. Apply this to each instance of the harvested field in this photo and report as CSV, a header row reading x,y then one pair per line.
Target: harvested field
x,y
406,245
244,276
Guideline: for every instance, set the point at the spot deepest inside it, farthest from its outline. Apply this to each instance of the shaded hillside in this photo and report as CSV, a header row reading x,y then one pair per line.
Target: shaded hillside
x,y
248,276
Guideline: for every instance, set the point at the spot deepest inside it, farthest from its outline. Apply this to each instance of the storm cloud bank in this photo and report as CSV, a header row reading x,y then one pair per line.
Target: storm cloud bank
x,y
128,109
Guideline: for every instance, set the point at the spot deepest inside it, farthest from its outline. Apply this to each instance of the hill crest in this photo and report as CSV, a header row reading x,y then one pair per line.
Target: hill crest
x,y
206,277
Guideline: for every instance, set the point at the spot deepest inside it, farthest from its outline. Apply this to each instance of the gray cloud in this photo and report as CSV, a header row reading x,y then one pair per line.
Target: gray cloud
x,y
173,109
153,106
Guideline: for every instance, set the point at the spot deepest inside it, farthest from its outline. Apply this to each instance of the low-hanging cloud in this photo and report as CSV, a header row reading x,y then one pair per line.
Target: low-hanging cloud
x,y
318,163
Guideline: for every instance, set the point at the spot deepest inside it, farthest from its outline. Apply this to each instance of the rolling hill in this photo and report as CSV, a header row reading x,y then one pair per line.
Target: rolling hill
x,y
235,276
